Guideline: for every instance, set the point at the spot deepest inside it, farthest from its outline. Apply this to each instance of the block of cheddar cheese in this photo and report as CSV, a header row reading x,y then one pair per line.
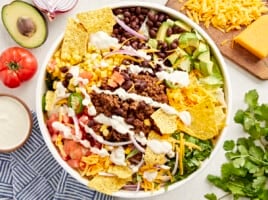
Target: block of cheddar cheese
x,y
255,37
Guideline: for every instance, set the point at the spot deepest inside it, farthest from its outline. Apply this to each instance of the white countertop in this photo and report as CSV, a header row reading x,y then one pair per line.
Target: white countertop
x,y
241,82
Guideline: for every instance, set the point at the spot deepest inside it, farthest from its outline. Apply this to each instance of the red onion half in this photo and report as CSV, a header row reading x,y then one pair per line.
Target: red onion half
x,y
53,7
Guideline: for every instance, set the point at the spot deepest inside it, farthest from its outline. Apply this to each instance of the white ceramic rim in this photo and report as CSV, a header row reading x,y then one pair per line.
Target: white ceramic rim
x,y
140,194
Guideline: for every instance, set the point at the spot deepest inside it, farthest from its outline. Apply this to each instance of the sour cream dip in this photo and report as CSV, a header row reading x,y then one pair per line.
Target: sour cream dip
x,y
15,123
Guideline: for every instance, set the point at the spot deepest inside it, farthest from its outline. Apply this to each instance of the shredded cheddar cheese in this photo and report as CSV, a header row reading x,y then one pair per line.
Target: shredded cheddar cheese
x,y
182,149
225,15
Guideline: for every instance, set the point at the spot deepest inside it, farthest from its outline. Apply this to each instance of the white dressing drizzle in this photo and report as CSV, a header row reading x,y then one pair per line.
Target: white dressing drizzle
x,y
116,122
87,102
150,175
102,40
124,95
176,77
161,147
118,156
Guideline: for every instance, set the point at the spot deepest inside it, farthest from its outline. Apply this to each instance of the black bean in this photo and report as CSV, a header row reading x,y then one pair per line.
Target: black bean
x,y
158,23
149,23
126,20
144,10
125,75
173,45
145,63
161,17
130,120
151,16
64,69
141,17
127,14
118,111
118,11
142,105
138,10
140,85
152,33
169,31
68,76
161,54
65,83
177,29
134,44
127,85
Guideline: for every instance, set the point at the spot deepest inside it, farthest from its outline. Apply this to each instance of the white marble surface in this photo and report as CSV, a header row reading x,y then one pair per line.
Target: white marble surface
x,y
241,82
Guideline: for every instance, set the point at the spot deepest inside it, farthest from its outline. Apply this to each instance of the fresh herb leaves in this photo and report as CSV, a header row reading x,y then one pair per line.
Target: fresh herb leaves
x,y
245,174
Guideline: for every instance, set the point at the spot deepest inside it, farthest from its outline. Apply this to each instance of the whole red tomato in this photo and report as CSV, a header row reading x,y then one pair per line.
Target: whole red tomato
x,y
17,65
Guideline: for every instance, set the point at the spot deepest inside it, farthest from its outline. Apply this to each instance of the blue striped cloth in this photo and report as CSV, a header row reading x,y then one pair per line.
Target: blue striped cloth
x,y
31,173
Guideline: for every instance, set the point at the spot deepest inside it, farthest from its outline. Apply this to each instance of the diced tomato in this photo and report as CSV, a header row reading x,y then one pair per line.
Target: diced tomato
x,y
49,122
112,83
76,153
54,137
66,119
86,75
118,78
73,163
74,149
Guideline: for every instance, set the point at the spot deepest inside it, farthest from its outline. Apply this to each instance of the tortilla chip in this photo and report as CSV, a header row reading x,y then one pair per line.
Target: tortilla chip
x,y
166,123
97,20
186,97
203,125
152,158
154,135
74,45
220,116
120,171
107,184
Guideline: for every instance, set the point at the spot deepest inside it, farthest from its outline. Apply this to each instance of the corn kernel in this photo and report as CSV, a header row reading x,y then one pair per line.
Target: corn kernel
x,y
147,122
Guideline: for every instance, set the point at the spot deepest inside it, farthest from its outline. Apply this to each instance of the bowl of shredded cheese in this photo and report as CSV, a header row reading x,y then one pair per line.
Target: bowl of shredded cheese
x,y
133,100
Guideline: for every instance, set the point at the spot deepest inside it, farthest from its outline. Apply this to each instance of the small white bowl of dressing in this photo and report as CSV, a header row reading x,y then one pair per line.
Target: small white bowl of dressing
x,y
15,123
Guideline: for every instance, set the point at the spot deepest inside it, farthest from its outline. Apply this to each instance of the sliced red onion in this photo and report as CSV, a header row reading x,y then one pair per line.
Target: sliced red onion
x,y
140,163
136,144
125,52
53,7
138,186
130,30
106,174
132,187
176,164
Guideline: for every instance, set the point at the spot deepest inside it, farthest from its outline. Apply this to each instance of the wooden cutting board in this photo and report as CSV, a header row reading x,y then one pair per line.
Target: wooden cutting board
x,y
234,52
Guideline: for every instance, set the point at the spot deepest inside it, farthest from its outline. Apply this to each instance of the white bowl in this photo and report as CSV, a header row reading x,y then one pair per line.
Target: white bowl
x,y
41,88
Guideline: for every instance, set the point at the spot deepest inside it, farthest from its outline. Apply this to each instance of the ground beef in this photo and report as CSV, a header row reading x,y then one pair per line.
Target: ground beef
x,y
133,111
149,86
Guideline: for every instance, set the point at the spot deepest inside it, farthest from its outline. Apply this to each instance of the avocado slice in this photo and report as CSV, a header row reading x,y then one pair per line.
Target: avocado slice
x,y
25,24
183,26
161,33
188,39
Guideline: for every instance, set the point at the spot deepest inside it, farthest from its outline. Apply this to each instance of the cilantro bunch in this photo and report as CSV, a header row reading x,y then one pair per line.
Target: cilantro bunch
x,y
245,174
